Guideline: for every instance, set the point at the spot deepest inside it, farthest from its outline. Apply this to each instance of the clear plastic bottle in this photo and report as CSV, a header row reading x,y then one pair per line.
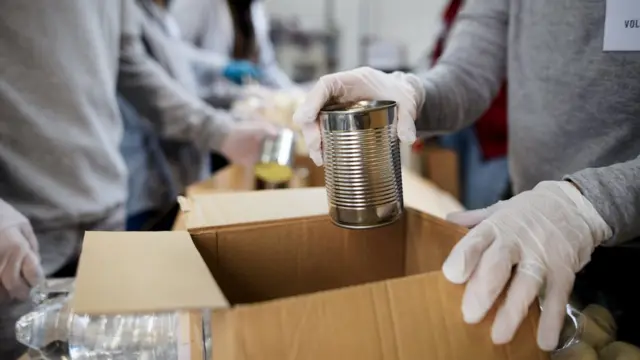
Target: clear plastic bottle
x,y
53,331
45,330
124,337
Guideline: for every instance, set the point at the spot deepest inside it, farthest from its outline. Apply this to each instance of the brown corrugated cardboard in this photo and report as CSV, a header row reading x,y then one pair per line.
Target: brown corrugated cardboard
x,y
208,207
300,287
180,222
424,195
155,254
440,165
220,209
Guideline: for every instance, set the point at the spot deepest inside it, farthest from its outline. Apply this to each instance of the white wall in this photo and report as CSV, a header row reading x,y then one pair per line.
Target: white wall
x,y
412,22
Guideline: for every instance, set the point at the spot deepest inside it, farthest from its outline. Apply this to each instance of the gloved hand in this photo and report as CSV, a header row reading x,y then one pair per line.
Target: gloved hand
x,y
19,261
237,71
549,233
244,142
355,85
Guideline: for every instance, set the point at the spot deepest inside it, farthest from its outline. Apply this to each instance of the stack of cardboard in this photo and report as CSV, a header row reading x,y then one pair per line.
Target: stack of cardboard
x,y
285,283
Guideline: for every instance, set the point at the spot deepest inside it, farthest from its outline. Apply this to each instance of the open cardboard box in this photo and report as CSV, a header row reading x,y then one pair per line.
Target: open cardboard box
x,y
285,283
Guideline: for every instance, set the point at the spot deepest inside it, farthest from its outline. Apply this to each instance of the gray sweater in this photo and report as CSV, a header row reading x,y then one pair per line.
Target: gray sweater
x,y
573,109
60,128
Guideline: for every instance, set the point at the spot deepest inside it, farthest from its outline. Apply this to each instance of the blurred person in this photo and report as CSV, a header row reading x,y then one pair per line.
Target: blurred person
x,y
481,147
573,153
160,169
237,30
194,67
61,170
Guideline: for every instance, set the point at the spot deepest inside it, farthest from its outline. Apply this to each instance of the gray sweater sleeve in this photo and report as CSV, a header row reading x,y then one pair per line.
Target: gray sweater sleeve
x,y
471,71
207,59
179,114
615,193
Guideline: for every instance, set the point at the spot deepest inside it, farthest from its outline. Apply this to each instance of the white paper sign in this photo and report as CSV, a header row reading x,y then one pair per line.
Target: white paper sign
x,y
622,26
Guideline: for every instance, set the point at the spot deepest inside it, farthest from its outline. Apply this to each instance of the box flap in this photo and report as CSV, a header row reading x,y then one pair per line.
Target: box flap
x,y
423,195
229,179
412,318
222,209
128,272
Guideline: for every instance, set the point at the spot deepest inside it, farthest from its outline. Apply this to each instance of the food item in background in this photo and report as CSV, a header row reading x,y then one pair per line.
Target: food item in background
x,y
593,334
274,106
578,351
276,158
601,316
273,173
620,351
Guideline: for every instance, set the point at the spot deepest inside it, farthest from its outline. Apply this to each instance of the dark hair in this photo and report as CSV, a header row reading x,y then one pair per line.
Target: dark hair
x,y
244,38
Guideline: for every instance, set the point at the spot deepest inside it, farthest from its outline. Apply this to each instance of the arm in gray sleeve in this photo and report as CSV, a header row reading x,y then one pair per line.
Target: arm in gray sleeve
x,y
193,17
204,59
615,193
272,74
180,115
464,82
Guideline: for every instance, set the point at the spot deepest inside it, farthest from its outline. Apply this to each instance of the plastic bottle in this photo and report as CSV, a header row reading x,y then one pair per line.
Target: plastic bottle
x,y
53,331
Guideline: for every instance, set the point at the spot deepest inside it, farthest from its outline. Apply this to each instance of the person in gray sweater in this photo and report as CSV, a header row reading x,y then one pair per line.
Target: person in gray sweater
x,y
573,149
159,168
61,170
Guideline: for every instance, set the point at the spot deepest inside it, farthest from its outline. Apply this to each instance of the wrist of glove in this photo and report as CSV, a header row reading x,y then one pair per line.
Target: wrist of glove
x,y
355,85
19,261
547,235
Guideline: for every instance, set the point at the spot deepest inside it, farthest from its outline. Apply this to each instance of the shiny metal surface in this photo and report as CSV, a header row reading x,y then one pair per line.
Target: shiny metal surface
x,y
573,327
362,164
275,163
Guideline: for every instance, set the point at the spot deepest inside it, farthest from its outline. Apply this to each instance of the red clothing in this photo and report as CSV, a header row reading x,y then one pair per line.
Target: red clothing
x,y
491,128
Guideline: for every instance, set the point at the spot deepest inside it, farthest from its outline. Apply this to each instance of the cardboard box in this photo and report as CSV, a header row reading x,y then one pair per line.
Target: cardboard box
x,y
428,197
441,166
285,283
438,165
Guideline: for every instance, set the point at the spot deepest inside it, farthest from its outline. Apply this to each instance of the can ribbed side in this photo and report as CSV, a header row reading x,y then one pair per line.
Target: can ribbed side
x,y
362,168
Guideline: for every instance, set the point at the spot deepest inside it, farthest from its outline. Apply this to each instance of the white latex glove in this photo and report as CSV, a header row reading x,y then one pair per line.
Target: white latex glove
x,y
355,85
244,142
549,233
19,261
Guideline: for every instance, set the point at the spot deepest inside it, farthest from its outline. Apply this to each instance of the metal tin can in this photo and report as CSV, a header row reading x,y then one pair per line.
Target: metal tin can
x,y
275,165
361,153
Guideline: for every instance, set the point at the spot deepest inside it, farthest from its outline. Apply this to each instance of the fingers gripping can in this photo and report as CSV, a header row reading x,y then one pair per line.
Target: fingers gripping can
x,y
361,153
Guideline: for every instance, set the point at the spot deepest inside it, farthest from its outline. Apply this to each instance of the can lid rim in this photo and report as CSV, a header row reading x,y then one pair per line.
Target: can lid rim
x,y
362,106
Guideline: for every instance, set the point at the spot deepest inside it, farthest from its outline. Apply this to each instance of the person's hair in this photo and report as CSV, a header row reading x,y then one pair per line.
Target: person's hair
x,y
245,46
